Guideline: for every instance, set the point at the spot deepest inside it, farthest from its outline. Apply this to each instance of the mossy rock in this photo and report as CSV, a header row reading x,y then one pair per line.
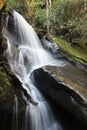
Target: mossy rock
x,y
9,86
6,91
76,52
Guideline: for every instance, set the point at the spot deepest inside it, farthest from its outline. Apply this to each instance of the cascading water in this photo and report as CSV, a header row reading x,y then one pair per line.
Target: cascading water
x,y
15,114
25,53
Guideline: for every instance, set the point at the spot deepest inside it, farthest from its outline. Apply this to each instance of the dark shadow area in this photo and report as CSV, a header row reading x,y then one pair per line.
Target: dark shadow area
x,y
67,121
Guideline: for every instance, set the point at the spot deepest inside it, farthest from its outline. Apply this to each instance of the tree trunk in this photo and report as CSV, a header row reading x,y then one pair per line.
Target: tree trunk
x,y
48,12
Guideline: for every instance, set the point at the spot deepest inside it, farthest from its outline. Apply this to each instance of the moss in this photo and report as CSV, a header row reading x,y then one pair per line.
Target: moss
x,y
6,91
10,86
78,52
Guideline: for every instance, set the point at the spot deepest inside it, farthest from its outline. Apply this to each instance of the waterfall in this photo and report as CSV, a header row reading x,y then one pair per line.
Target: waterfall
x,y
15,114
25,53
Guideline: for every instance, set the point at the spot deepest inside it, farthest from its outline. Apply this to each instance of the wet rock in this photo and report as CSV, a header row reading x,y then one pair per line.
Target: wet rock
x,y
9,86
63,91
10,90
11,99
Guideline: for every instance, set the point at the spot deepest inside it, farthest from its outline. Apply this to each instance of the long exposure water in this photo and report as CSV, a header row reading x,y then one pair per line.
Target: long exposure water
x,y
25,53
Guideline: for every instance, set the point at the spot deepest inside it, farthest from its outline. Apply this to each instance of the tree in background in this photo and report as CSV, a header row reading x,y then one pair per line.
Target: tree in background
x,y
66,18
18,5
48,14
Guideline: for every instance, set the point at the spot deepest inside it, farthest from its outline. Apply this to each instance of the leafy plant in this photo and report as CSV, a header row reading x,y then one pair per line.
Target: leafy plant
x,y
11,4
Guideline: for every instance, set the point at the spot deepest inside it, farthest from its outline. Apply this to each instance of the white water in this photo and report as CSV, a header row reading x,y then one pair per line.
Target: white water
x,y
27,56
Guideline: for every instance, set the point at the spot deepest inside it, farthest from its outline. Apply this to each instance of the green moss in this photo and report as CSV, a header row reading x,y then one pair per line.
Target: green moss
x,y
79,52
6,91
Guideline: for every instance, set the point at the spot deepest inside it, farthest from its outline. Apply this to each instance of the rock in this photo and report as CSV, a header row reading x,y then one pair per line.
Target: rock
x,y
12,105
9,86
71,76
11,91
70,92
6,92
2,7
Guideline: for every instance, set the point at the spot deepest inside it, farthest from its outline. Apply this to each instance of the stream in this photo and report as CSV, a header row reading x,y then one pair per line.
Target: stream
x,y
26,54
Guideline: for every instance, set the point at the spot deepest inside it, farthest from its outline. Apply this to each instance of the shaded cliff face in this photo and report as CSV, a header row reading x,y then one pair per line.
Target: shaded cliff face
x,y
10,90
9,86
2,7
6,91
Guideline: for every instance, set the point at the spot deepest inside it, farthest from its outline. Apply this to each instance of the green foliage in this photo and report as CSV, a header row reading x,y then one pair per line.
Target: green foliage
x,y
40,17
68,18
39,14
12,4
18,5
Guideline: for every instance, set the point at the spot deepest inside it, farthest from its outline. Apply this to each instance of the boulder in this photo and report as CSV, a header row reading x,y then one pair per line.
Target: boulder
x,y
67,86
